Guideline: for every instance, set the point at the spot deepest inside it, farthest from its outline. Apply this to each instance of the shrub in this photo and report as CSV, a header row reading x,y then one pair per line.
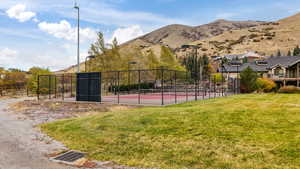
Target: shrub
x,y
131,87
252,36
248,80
217,78
265,85
289,89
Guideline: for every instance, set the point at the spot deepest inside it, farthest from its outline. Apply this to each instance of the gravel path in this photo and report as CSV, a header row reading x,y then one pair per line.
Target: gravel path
x,y
22,146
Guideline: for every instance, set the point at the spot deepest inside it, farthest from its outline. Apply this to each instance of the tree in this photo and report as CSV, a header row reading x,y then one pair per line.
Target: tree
x,y
245,60
168,59
195,65
248,80
217,78
278,53
34,73
296,51
289,53
265,85
152,60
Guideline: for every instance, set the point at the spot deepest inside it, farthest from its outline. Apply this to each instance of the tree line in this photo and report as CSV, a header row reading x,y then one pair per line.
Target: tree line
x,y
294,52
111,57
13,80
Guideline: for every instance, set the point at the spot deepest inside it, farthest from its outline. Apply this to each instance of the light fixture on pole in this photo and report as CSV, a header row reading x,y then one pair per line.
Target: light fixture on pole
x,y
78,38
86,60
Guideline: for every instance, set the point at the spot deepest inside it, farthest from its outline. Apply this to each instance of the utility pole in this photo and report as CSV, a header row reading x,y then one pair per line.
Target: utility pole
x,y
78,38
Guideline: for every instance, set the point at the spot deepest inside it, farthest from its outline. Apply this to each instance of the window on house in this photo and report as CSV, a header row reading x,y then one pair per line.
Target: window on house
x,y
278,71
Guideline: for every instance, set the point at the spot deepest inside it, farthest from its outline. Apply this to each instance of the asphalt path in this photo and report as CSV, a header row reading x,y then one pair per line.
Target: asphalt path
x,y
22,146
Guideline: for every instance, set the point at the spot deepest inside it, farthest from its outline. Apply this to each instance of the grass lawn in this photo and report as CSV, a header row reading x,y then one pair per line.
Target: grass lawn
x,y
245,131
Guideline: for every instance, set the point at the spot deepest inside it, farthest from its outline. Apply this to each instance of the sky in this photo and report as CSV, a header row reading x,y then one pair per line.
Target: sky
x,y
43,32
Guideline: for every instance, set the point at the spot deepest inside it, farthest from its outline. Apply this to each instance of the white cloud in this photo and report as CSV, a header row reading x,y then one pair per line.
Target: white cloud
x,y
19,12
126,34
64,30
7,56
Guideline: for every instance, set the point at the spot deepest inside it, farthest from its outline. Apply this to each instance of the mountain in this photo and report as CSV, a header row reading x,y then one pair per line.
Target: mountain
x,y
223,37
266,39
176,35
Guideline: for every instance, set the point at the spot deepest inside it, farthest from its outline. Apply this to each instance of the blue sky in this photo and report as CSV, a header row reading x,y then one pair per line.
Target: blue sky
x,y
43,32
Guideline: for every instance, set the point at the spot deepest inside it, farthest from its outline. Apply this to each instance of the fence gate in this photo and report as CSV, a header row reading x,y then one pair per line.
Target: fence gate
x,y
88,87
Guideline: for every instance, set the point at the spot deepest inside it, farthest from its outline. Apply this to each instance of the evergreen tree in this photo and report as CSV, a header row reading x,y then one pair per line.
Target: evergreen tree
x,y
248,80
296,51
278,53
289,53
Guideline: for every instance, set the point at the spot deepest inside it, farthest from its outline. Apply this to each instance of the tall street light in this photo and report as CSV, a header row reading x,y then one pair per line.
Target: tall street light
x,y
78,38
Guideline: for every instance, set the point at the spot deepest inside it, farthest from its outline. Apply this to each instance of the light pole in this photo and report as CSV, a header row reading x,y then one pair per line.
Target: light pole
x,y
78,38
86,59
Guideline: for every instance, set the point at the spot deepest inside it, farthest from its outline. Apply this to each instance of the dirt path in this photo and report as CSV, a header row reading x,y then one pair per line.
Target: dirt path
x,y
22,146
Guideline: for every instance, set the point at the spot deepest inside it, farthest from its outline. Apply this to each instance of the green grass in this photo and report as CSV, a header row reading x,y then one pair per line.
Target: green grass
x,y
239,132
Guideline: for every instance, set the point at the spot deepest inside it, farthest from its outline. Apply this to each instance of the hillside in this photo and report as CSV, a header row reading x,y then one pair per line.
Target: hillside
x,y
223,37
266,39
176,35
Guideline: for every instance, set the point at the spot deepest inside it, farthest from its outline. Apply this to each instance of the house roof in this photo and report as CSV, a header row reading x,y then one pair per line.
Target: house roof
x,y
241,56
284,61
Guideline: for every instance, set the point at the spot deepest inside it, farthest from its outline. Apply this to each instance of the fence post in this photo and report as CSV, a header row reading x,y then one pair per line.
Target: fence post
x,y
55,86
139,97
49,92
63,87
215,87
186,86
162,86
38,88
118,81
71,85
175,87
195,88
203,89
209,86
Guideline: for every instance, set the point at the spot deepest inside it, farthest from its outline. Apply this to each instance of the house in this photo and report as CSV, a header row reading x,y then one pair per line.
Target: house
x,y
249,56
283,70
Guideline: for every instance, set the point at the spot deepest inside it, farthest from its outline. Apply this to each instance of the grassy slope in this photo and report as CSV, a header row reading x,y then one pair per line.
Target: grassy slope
x,y
246,131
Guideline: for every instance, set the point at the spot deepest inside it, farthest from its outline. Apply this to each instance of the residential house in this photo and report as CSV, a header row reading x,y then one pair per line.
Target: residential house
x,y
283,70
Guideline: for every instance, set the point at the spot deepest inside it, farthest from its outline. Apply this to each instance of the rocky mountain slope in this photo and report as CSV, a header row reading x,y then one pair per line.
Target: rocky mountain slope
x,y
265,39
176,35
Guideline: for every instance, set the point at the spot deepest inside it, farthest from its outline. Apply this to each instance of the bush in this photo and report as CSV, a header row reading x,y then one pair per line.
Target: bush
x,y
248,80
217,78
131,87
265,85
289,89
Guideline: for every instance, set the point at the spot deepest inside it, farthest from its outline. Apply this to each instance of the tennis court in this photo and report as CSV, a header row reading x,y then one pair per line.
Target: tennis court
x,y
146,87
